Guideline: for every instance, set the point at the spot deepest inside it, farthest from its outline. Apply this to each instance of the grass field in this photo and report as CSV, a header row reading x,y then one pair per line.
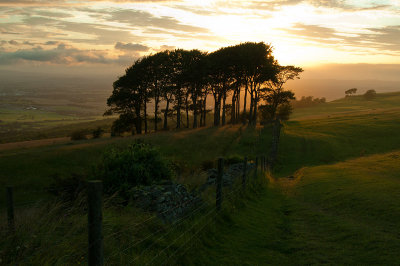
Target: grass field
x,y
333,198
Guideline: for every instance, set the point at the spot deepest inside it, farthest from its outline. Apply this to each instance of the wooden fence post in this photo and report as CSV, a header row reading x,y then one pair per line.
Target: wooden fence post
x,y
10,208
218,200
244,173
95,237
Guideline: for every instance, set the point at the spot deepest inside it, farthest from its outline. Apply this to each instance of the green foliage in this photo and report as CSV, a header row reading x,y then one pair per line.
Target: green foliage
x,y
267,112
284,111
370,94
308,101
124,123
233,159
79,135
349,92
97,133
67,189
136,164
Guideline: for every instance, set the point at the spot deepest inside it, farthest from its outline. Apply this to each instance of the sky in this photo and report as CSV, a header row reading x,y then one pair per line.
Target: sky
x,y
114,33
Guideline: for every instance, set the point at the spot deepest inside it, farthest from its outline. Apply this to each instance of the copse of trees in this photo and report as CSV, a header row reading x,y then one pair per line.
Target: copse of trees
x,y
308,101
350,92
182,80
370,94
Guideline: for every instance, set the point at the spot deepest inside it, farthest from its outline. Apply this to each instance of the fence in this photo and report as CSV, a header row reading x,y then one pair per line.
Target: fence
x,y
183,230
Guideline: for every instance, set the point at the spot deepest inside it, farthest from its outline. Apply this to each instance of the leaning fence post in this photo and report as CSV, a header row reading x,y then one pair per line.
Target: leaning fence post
x,y
244,173
10,208
95,217
218,199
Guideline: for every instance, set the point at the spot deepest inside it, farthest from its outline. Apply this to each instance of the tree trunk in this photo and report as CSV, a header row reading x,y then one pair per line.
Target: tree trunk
x,y
166,116
217,110
178,113
194,99
245,102
145,117
238,106
233,108
251,107
156,103
255,111
201,113
138,123
205,111
223,109
187,110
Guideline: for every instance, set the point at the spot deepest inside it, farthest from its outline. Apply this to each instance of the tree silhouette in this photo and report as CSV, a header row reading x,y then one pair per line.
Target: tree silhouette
x,y
350,92
182,80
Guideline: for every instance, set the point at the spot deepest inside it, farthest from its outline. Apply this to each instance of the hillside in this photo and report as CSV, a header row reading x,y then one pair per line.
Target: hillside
x,y
332,198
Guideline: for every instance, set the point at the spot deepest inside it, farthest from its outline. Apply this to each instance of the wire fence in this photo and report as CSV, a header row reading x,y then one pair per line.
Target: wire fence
x,y
149,241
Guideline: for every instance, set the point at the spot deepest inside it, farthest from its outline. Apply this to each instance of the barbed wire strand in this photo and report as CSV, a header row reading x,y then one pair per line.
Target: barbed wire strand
x,y
176,239
152,234
190,240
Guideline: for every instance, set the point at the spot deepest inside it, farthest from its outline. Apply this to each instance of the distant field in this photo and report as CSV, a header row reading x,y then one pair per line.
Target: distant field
x,y
30,112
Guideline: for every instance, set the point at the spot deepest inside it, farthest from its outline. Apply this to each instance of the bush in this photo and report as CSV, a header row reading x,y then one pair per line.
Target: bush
x,y
208,164
284,111
233,159
67,189
137,164
97,133
370,94
78,135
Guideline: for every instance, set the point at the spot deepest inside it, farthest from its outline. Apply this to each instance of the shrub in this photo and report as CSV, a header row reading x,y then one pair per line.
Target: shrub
x,y
208,164
67,189
97,133
78,135
370,94
233,159
266,112
136,164
284,111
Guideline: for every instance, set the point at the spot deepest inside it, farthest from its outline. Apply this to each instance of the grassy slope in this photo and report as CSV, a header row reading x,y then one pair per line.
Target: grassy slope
x,y
345,213
318,218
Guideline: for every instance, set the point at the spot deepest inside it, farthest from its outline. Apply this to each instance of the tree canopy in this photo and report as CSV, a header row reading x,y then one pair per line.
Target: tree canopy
x,y
181,81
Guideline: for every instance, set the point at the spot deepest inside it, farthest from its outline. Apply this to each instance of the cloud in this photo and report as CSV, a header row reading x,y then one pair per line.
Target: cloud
x,y
66,2
63,54
166,47
383,38
94,33
51,43
131,47
138,18
13,42
52,14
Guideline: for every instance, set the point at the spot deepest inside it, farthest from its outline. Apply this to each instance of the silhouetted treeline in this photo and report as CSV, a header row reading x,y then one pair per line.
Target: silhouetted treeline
x,y
182,80
308,101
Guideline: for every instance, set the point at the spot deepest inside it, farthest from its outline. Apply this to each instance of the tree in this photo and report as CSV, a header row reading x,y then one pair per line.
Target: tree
x,y
275,94
126,100
350,92
370,94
